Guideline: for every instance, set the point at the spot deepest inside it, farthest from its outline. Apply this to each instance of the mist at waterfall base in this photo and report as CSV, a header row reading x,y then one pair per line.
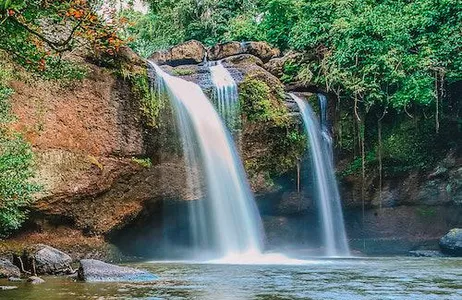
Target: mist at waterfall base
x,y
327,193
199,230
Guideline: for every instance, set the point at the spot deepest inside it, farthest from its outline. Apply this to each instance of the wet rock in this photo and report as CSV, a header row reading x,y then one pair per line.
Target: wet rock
x,y
8,287
426,253
451,243
35,280
7,269
190,52
92,270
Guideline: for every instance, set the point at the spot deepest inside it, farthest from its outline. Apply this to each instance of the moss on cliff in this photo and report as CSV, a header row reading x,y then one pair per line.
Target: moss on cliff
x,y
274,141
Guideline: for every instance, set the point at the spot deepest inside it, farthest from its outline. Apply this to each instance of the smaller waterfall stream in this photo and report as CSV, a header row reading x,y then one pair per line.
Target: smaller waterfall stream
x,y
327,193
227,222
227,98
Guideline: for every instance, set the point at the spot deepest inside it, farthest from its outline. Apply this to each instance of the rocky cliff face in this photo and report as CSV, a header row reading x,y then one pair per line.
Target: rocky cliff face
x,y
87,135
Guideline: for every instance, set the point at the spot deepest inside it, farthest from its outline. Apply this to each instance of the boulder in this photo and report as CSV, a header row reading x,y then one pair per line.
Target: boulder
x,y
35,280
49,260
42,259
451,243
261,50
276,65
243,59
190,52
92,270
7,269
220,51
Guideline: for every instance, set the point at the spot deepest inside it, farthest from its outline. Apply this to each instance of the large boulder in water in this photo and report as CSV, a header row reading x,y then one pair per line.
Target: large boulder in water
x,y
451,243
190,52
92,270
44,259
7,269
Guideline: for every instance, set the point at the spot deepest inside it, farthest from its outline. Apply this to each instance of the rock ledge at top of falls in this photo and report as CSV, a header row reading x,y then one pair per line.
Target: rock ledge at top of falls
x,y
190,52
451,243
262,50
92,270
194,52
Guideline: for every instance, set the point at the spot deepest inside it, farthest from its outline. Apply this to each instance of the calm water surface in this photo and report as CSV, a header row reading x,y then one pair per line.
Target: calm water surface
x,y
359,278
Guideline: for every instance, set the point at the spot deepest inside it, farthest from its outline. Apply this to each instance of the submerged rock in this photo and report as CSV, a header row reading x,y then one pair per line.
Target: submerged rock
x,y
14,279
426,253
92,270
7,269
451,243
8,287
35,280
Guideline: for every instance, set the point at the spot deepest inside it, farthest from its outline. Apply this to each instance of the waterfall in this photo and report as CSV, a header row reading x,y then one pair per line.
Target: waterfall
x,y
327,193
226,223
226,95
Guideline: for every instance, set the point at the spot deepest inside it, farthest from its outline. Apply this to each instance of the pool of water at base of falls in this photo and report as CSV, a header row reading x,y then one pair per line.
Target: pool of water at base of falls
x,y
347,278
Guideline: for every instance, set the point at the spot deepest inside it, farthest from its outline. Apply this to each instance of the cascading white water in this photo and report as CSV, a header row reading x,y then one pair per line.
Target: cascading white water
x,y
327,193
227,98
227,222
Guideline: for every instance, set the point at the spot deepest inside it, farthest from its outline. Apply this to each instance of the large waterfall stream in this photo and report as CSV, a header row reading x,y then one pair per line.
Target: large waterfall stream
x,y
226,223
327,194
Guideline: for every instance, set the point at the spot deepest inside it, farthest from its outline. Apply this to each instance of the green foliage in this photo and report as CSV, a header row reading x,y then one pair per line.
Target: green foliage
x,y
182,72
144,162
355,166
64,71
385,53
264,107
411,145
16,167
37,33
171,22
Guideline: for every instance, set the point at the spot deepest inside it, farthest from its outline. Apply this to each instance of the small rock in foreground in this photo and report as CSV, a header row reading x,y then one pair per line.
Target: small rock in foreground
x,y
35,280
92,270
